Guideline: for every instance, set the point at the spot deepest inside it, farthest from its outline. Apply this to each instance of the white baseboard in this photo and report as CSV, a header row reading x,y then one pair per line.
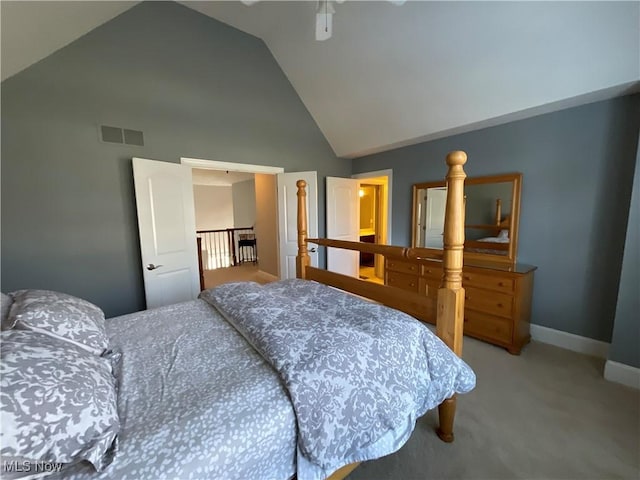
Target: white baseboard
x,y
621,373
267,277
576,343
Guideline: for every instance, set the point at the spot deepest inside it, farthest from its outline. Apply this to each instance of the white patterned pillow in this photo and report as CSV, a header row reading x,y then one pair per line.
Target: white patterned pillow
x,y
62,316
58,403
5,306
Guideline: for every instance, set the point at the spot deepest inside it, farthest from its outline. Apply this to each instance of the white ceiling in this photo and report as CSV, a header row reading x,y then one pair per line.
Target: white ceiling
x,y
218,178
397,75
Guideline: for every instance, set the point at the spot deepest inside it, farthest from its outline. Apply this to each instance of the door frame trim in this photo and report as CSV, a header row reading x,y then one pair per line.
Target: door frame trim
x,y
382,173
230,166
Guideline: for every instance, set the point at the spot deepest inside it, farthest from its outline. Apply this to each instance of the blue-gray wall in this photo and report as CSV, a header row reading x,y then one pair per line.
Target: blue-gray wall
x,y
195,86
199,88
577,167
625,342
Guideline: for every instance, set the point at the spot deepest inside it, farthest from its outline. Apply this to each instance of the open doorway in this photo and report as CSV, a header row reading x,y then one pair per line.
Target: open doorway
x,y
167,227
375,220
370,228
236,221
225,211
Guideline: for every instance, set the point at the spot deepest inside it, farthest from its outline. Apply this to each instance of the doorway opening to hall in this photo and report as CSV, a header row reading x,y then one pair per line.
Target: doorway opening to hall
x,y
374,216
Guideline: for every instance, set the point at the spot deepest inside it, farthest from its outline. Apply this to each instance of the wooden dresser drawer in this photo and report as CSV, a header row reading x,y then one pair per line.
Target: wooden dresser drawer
x,y
428,287
402,267
487,326
492,282
402,280
431,272
497,305
487,301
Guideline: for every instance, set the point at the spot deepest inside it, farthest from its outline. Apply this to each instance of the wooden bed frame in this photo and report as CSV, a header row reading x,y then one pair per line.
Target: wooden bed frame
x,y
449,307
498,247
499,224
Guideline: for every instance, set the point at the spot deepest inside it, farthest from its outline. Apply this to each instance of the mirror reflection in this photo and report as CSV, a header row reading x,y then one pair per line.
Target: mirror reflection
x,y
430,205
487,218
490,216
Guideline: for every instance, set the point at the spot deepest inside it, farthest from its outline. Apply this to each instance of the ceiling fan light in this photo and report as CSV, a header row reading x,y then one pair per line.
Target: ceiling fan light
x,y
324,15
324,26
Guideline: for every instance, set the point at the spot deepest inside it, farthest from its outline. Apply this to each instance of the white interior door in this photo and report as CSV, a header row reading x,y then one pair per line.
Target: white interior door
x,y
288,219
167,226
343,223
434,217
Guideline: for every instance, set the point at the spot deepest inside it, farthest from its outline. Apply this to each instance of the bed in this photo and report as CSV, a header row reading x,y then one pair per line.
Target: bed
x,y
498,245
294,378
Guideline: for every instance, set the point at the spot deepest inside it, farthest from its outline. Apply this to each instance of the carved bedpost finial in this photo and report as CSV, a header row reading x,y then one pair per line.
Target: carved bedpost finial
x,y
457,157
454,221
302,259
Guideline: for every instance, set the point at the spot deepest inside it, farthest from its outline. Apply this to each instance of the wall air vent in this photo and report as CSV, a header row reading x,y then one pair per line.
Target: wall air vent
x,y
133,137
121,135
111,134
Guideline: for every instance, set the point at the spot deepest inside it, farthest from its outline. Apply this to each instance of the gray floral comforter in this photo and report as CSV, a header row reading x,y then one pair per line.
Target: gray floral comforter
x,y
358,374
195,400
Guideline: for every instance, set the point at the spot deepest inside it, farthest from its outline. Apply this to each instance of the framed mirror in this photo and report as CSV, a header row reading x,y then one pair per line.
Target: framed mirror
x,y
492,214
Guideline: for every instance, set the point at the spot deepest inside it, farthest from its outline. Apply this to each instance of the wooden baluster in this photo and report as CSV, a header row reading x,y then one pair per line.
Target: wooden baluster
x,y
450,310
302,259
232,242
200,268
216,249
498,211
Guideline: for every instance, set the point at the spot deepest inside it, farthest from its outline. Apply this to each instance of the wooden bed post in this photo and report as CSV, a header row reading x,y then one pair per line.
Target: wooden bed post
x,y
302,259
450,310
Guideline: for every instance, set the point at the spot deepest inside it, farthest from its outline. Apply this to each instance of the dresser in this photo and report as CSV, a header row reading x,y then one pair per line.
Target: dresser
x,y
497,297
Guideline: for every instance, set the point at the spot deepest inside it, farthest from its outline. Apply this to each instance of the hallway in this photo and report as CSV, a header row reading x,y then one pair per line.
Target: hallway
x,y
368,274
248,272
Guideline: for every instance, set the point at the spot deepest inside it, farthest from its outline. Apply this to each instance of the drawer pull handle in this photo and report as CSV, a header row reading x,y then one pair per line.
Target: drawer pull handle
x,y
412,267
412,284
501,284
466,277
500,305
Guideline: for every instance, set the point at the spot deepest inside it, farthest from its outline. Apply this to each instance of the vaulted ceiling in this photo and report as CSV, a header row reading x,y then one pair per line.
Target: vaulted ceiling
x,y
396,75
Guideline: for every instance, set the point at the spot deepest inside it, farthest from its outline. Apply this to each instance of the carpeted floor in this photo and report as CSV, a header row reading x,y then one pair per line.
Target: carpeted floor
x,y
247,272
547,414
